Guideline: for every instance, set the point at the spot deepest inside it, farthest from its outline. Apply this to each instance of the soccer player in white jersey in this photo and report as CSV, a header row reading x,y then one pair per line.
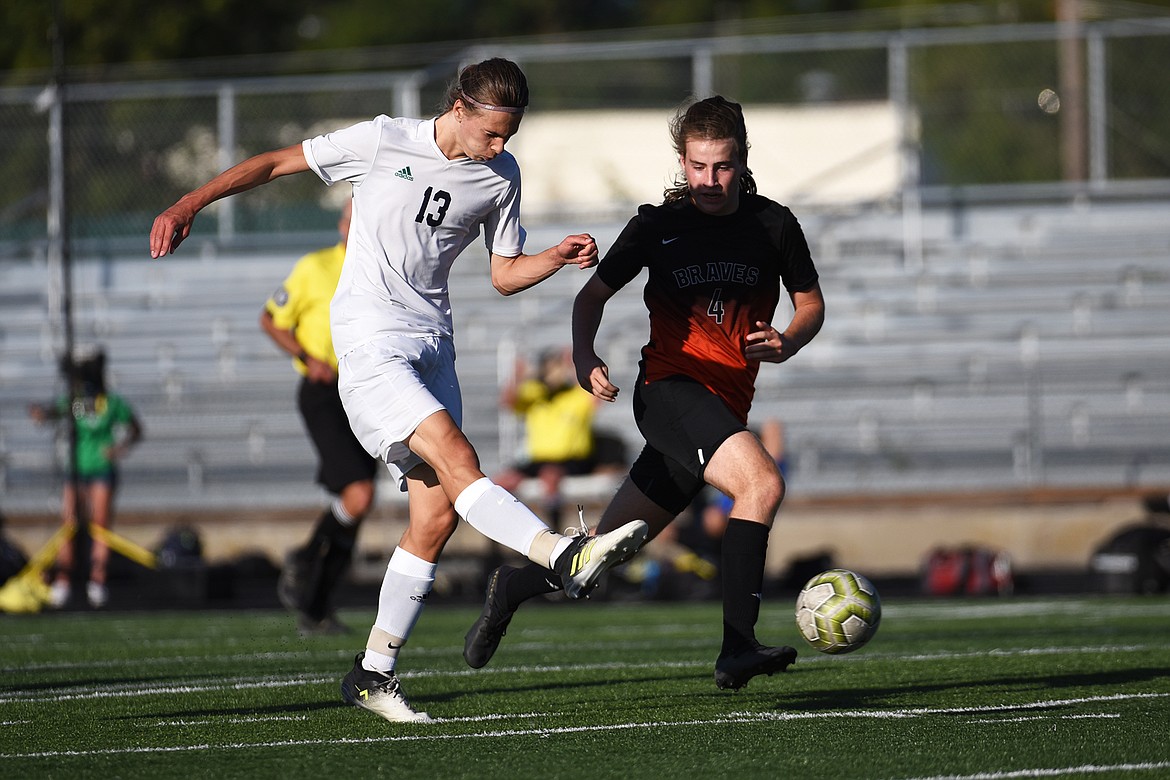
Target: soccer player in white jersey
x,y
422,192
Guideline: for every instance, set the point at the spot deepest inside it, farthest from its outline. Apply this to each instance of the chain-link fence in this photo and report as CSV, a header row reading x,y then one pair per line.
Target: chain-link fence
x,y
1027,104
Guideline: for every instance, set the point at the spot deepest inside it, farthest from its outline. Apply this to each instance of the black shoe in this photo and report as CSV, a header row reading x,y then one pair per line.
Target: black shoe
x,y
733,671
488,629
379,692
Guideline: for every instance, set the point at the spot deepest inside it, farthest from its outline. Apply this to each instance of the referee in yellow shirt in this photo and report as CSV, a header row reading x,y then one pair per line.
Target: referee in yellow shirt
x,y
558,422
296,317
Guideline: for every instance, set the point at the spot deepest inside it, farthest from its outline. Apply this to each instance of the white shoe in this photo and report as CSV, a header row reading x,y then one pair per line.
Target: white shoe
x,y
97,594
58,594
379,692
588,557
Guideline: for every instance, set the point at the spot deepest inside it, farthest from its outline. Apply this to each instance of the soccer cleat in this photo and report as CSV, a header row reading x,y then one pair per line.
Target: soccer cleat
x,y
97,594
486,632
380,693
733,671
588,557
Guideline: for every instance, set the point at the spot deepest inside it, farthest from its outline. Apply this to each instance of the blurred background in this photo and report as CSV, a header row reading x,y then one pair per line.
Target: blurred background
x,y
985,188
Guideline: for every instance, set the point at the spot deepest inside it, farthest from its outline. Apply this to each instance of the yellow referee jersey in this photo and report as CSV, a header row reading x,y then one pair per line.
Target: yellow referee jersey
x,y
559,425
302,303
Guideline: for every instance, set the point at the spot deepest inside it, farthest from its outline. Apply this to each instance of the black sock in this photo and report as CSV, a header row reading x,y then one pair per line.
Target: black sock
x,y
326,528
528,582
745,548
333,544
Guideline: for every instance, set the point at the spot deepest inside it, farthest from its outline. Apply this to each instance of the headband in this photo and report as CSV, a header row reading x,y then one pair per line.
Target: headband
x,y
485,107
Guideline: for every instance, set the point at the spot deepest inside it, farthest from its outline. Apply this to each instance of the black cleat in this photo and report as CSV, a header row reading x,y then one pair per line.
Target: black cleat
x,y
732,672
488,629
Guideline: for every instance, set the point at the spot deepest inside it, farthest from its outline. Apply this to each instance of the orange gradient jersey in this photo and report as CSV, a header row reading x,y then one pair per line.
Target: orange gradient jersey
x,y
710,280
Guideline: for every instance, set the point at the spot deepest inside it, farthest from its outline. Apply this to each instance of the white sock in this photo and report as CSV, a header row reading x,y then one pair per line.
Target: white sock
x,y
373,661
561,545
343,517
499,515
405,588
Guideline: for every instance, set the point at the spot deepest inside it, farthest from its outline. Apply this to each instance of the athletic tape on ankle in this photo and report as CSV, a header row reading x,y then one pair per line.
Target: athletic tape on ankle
x,y
541,550
384,642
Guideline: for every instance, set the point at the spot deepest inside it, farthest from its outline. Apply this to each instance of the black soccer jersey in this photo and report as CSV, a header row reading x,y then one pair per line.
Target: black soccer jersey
x,y
711,278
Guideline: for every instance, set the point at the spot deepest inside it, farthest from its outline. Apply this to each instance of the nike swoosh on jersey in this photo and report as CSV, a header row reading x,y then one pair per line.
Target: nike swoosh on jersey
x,y
666,241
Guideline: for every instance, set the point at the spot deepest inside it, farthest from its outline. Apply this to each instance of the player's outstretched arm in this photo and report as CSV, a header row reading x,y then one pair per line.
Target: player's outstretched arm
x,y
174,225
511,275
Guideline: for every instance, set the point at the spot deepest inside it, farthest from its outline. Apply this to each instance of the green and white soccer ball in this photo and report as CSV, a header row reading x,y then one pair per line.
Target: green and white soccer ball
x,y
838,611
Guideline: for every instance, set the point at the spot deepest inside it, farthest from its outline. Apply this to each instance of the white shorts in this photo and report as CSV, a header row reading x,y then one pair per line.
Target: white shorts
x,y
390,385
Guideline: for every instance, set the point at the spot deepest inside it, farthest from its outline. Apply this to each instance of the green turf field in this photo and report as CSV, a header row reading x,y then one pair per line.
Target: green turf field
x,y
1022,687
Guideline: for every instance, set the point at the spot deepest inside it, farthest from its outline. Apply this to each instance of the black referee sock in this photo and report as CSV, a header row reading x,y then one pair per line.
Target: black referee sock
x,y
745,548
332,561
327,528
528,582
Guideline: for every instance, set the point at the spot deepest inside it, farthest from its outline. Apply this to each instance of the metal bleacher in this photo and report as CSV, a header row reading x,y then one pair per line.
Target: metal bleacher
x,y
1007,359
1031,348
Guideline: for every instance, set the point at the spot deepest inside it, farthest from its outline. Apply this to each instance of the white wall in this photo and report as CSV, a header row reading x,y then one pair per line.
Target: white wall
x,y
601,160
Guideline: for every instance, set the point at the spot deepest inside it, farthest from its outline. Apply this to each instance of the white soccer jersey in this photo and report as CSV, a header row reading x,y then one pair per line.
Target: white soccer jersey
x,y
414,211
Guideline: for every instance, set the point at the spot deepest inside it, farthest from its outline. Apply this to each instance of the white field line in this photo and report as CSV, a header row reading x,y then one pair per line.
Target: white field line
x,y
979,609
167,724
194,685
152,689
275,718
915,712
443,651
1091,716
1065,771
732,718
298,657
313,656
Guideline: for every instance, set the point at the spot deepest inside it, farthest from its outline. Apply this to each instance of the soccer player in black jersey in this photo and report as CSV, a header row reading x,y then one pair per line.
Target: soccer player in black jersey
x,y
717,255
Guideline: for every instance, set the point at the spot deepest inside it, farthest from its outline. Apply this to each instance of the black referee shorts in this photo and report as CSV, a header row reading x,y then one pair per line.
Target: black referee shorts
x,y
683,423
341,458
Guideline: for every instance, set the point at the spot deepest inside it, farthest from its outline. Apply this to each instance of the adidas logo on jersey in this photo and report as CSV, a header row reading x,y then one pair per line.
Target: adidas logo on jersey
x,y
405,174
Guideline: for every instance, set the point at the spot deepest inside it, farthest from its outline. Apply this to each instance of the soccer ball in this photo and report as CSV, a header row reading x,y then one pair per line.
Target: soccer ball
x,y
838,611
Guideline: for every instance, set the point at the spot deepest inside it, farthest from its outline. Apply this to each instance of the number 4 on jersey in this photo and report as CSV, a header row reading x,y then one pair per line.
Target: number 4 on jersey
x,y
715,308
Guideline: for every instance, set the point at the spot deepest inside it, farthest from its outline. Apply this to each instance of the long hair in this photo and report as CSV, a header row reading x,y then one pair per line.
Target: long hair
x,y
494,82
711,119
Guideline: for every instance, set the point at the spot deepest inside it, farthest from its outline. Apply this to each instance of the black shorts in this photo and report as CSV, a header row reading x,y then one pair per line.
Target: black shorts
x,y
683,423
341,458
572,468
